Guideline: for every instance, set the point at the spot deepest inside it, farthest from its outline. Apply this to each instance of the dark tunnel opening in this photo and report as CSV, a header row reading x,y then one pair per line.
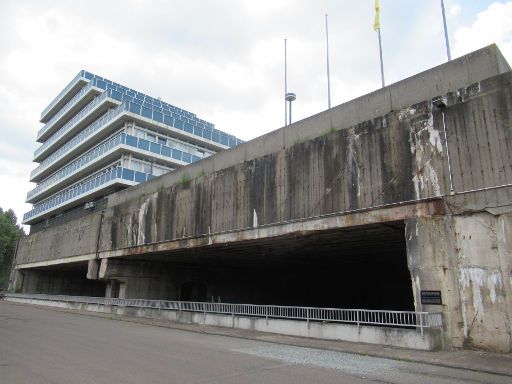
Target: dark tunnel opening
x,y
62,279
359,267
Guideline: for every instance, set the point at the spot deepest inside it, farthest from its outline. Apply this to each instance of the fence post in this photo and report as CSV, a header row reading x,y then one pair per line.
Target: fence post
x,y
357,318
421,323
307,316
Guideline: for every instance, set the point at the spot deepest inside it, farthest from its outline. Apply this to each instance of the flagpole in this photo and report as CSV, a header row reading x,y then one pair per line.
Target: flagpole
x,y
328,72
285,87
381,61
448,53
376,27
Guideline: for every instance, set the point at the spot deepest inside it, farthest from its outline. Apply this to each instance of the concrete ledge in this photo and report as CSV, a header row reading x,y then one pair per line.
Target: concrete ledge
x,y
64,260
396,337
387,213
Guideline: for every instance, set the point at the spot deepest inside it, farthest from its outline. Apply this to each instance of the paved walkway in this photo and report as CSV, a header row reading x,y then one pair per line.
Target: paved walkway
x,y
477,361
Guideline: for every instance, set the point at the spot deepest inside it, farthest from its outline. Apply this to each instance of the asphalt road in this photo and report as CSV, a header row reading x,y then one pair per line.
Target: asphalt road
x,y
42,345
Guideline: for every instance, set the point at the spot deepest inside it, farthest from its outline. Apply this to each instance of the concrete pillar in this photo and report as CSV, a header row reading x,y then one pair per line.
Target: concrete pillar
x,y
93,269
504,239
16,283
429,247
468,259
116,289
482,279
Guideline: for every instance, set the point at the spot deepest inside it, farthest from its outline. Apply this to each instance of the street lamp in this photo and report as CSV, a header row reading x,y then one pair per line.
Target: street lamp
x,y
289,97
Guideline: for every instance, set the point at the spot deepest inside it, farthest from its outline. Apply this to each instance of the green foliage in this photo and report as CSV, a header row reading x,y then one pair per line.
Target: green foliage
x,y
142,197
185,178
9,234
300,139
330,131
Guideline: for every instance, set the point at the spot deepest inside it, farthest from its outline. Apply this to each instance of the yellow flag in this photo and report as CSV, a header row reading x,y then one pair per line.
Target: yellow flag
x,y
376,24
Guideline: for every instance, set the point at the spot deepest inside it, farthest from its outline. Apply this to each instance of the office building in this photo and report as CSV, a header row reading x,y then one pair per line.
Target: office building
x,y
100,137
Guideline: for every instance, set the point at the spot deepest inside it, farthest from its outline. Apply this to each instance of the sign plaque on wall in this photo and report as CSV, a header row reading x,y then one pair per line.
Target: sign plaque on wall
x,y
431,297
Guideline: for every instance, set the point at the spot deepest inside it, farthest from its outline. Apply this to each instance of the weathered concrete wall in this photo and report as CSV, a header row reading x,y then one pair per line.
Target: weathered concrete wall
x,y
448,77
74,238
396,158
468,258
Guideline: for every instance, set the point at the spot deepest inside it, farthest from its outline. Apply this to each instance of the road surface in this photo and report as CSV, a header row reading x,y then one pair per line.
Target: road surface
x,y
40,345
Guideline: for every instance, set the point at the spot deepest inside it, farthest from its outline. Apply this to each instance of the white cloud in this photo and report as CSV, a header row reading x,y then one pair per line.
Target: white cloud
x,y
494,25
454,10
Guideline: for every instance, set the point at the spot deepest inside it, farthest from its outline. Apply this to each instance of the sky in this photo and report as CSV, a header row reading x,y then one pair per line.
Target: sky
x,y
220,59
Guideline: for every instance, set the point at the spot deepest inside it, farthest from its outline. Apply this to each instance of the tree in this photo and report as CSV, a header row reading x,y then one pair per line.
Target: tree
x,y
10,232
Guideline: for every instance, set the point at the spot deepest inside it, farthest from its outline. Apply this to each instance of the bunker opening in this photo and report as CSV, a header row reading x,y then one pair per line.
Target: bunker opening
x,y
62,279
362,267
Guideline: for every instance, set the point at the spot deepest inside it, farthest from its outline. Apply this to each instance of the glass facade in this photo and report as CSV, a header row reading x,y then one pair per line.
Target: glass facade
x,y
86,187
108,146
93,121
78,139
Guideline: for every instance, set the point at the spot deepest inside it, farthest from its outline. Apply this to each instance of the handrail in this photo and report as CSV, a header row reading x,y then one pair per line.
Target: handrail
x,y
85,133
408,319
65,108
79,188
62,93
71,123
108,144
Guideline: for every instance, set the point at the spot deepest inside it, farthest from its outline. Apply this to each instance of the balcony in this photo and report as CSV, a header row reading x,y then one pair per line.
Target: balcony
x,y
119,142
100,125
76,168
81,99
62,98
184,119
174,116
91,112
84,189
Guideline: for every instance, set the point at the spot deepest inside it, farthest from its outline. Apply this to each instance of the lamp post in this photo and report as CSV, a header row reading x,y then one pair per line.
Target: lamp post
x,y
289,97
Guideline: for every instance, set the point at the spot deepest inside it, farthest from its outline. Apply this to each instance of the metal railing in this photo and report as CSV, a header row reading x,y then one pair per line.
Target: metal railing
x,y
79,138
406,319
75,80
85,187
105,146
72,214
72,123
66,108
